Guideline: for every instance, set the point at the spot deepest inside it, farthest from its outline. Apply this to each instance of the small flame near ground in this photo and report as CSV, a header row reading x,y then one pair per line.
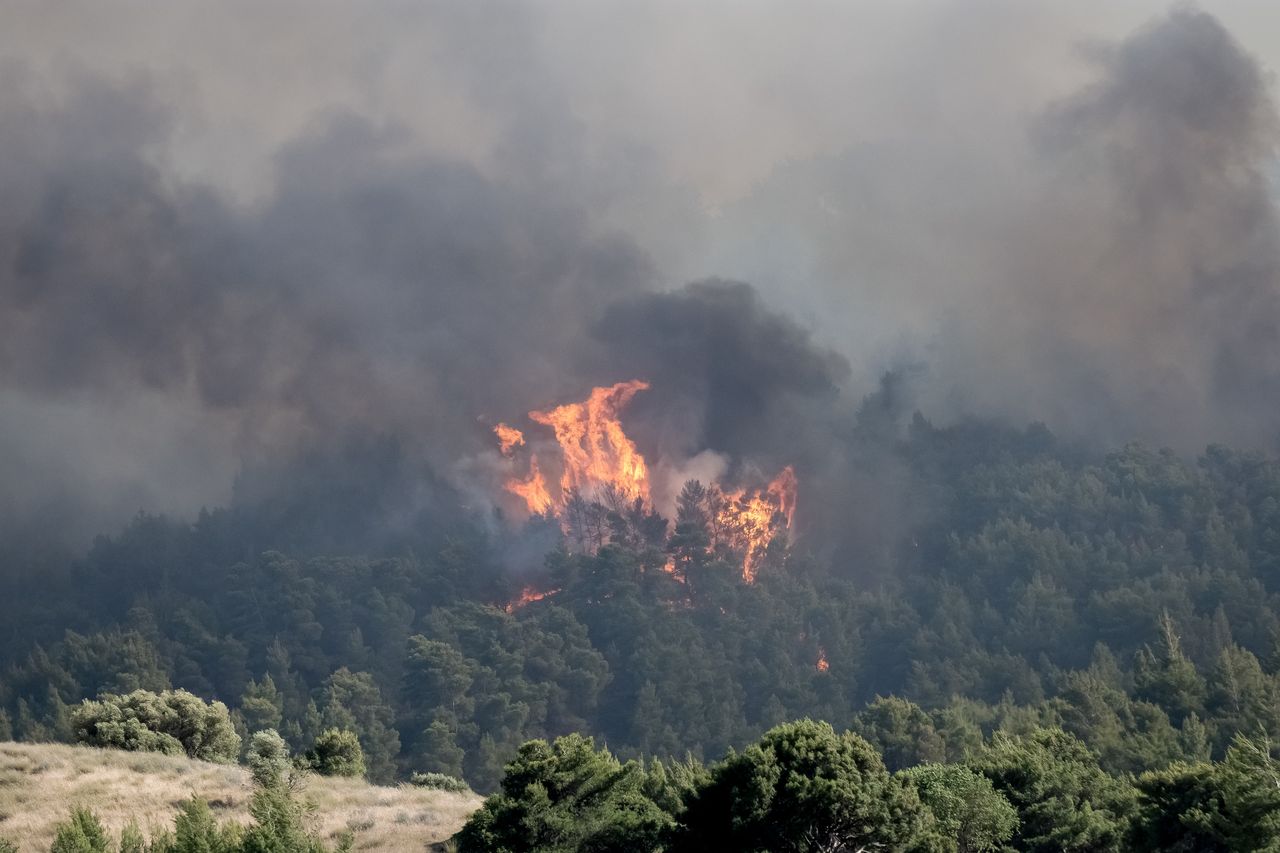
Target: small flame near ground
x,y
597,458
527,595
822,665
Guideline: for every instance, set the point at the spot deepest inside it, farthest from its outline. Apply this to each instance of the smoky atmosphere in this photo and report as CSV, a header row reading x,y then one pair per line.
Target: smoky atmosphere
x,y
582,415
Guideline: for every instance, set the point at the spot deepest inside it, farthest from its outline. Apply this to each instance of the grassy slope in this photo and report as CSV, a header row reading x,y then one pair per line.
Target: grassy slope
x,y
39,783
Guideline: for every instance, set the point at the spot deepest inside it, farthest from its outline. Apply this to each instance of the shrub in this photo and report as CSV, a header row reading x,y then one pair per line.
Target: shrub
x,y
131,840
81,833
269,760
337,752
197,831
439,782
969,810
173,722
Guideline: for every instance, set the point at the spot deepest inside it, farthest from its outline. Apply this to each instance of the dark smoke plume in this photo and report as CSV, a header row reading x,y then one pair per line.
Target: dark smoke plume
x,y
468,214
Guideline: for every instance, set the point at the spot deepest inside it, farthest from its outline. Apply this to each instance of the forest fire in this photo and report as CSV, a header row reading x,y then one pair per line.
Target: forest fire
x,y
822,665
528,595
509,438
599,463
751,517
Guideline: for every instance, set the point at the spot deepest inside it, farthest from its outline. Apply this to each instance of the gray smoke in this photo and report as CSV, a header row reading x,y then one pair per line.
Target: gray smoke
x,y
230,240
1110,269
378,291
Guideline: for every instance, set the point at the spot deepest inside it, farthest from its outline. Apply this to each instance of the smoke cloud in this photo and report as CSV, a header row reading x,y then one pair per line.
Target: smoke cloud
x,y
232,241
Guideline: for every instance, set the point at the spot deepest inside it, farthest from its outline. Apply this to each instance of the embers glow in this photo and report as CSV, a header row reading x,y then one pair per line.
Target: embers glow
x,y
822,665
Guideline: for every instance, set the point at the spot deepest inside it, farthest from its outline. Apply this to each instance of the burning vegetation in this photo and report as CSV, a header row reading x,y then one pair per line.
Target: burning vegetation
x,y
600,492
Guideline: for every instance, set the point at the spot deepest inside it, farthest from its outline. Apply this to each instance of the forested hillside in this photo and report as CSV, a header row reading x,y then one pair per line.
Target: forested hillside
x,y
1129,597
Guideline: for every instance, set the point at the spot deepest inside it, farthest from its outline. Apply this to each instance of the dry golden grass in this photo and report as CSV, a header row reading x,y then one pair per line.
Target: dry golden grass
x,y
39,784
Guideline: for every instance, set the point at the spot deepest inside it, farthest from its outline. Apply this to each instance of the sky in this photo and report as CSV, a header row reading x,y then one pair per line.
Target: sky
x,y
236,231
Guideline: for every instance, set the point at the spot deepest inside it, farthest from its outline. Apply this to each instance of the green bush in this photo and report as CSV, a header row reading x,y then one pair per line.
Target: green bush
x,y
268,759
337,752
197,831
173,722
439,782
968,809
82,833
132,840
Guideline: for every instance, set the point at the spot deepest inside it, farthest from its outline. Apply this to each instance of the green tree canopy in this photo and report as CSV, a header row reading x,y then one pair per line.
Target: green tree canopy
x,y
172,722
803,787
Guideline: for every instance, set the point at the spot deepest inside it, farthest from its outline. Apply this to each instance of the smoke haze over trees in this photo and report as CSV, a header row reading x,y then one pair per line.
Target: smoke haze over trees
x,y
412,386
447,215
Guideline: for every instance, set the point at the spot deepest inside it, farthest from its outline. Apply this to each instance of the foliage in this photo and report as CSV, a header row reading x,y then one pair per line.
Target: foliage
x,y
132,840
172,722
439,782
902,732
1180,810
1130,598
969,811
567,796
81,833
1064,800
197,831
268,760
804,787
337,753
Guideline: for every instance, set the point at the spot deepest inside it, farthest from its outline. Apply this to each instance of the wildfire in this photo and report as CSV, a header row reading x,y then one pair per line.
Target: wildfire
x,y
532,488
598,461
509,438
822,665
527,595
751,517
595,452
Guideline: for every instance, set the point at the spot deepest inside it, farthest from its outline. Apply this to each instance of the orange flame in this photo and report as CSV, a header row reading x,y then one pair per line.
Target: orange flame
x,y
596,453
598,458
822,665
532,488
509,438
527,595
750,518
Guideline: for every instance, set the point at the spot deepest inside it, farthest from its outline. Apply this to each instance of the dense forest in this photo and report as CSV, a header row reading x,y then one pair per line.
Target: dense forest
x,y
802,787
484,396
1128,598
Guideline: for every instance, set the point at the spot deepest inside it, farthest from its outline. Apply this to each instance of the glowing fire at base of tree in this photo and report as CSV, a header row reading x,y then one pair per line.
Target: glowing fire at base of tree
x,y
527,595
604,485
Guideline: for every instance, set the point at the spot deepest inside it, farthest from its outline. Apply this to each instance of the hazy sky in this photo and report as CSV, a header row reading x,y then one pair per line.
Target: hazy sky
x,y
235,228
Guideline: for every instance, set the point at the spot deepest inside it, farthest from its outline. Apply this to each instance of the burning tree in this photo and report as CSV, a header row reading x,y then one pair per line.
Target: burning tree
x,y
602,494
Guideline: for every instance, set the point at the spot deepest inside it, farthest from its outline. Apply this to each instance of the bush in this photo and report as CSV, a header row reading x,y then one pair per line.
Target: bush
x,y
82,833
173,722
268,759
803,786
131,840
337,753
197,831
439,782
969,810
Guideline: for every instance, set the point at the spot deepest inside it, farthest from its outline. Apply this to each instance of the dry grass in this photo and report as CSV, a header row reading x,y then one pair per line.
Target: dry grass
x,y
39,783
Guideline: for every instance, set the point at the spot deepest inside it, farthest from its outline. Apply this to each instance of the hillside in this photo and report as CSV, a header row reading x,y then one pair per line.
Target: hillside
x,y
39,783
